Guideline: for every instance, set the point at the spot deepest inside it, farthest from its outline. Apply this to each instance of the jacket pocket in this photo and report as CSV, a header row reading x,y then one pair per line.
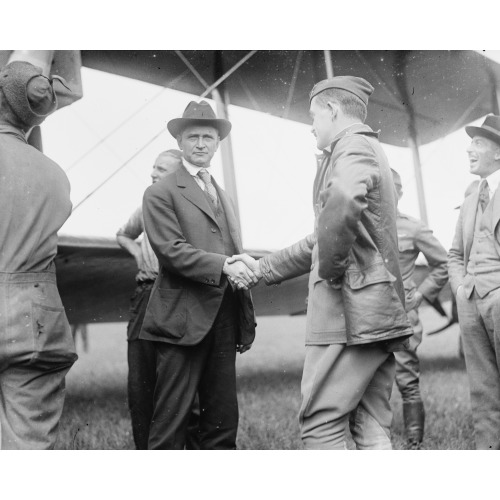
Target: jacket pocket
x,y
325,307
373,310
53,341
166,315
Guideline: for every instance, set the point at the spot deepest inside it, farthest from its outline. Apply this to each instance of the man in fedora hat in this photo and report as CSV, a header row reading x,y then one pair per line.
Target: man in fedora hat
x,y
196,317
36,345
355,309
474,269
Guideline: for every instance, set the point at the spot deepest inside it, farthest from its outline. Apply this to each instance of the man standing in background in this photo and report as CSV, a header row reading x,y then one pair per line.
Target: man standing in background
x,y
474,269
415,237
36,345
141,354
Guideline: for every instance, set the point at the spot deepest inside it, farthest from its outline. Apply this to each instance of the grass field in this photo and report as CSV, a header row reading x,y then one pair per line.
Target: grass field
x,y
96,412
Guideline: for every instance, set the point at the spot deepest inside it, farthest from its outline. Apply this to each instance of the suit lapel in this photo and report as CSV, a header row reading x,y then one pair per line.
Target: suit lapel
x,y
496,209
469,224
230,216
191,191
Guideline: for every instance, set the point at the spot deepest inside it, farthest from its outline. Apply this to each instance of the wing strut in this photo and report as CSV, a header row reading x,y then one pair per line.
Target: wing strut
x,y
221,98
328,64
400,77
292,84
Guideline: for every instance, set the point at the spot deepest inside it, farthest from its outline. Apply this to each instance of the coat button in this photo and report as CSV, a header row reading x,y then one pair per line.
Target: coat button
x,y
213,230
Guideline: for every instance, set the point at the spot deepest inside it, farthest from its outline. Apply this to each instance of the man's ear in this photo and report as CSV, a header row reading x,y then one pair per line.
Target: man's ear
x,y
334,109
178,139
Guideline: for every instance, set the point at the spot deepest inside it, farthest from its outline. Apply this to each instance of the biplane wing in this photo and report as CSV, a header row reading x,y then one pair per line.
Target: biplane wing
x,y
95,278
419,96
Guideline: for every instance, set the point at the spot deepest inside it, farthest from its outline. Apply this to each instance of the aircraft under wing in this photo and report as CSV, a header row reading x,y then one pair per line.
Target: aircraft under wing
x,y
95,278
443,89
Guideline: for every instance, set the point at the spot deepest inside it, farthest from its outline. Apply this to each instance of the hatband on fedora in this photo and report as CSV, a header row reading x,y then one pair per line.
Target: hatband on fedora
x,y
489,129
199,113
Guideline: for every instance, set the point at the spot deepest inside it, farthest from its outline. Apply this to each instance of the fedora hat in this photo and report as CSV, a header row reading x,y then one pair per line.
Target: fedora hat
x,y
489,129
199,113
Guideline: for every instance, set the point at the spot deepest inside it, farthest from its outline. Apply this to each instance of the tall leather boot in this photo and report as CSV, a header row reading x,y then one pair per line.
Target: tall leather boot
x,y
414,419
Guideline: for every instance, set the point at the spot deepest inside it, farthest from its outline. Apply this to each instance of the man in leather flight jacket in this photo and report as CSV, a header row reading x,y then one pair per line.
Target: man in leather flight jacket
x,y
355,313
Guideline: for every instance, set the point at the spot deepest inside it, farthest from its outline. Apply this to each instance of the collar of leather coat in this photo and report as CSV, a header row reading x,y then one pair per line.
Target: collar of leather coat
x,y
356,128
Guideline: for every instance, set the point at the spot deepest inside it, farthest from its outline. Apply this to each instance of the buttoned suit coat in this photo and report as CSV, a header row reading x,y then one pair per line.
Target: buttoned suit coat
x,y
188,242
458,256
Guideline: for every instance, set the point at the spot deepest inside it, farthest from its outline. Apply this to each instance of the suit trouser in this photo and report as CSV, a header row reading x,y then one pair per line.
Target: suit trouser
x,y
141,357
480,327
207,368
408,364
346,384
36,352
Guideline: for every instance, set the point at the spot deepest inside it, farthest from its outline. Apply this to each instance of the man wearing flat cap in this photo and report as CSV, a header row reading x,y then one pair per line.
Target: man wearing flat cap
x,y
200,312
355,311
36,345
474,269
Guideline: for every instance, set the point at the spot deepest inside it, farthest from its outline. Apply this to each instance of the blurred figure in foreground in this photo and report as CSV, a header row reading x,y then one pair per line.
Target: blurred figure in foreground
x,y
36,345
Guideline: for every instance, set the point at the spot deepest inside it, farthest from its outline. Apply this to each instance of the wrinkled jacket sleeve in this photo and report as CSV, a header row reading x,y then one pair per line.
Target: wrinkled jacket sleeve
x,y
170,245
456,266
436,257
288,263
344,200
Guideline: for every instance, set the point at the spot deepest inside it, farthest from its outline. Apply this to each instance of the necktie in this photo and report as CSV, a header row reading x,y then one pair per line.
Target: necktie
x,y
484,195
210,188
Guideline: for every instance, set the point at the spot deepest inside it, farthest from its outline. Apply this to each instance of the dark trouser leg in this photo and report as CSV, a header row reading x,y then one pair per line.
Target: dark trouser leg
x,y
408,382
141,356
193,438
217,391
207,368
178,372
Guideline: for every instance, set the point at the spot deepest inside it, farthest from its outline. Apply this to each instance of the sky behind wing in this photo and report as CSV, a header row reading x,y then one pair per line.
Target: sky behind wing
x,y
274,163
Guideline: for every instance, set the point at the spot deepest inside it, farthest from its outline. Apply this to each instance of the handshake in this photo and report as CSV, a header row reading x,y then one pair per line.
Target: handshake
x,y
242,271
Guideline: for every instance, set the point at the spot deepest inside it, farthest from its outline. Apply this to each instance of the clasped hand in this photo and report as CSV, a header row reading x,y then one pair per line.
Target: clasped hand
x,y
242,271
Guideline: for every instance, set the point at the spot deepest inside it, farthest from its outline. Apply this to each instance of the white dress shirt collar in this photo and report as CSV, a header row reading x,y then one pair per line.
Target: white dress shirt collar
x,y
493,182
192,169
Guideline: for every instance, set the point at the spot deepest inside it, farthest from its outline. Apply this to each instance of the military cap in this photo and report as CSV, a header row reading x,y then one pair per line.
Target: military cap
x,y
353,84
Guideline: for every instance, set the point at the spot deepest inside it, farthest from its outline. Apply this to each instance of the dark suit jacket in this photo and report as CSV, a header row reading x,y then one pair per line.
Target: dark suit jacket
x,y
188,242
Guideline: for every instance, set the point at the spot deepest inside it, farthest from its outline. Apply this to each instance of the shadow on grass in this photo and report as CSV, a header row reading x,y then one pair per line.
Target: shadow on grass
x,y
268,379
441,363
